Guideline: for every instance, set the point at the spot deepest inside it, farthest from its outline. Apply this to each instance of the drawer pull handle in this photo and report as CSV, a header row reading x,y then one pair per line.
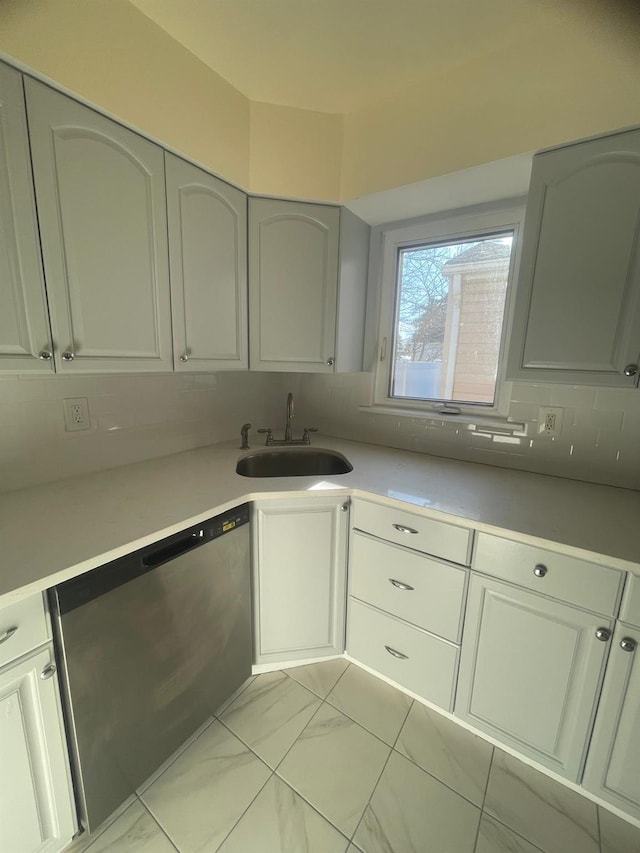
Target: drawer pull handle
x,y
540,570
627,644
8,634
402,529
603,634
48,671
399,584
396,654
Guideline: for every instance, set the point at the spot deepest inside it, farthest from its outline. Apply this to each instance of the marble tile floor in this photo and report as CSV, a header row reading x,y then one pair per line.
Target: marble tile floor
x,y
327,758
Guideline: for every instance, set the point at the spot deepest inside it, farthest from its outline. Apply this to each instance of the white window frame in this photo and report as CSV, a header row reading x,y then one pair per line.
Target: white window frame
x,y
453,225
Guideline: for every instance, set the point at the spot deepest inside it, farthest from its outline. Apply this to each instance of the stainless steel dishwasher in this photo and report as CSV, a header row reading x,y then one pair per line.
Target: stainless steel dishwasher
x,y
149,646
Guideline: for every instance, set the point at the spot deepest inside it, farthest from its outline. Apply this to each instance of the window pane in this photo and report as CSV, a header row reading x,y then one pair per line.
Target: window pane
x,y
449,315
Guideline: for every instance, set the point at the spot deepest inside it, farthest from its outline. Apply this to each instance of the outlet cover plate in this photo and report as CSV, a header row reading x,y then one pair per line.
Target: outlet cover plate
x,y
76,414
550,421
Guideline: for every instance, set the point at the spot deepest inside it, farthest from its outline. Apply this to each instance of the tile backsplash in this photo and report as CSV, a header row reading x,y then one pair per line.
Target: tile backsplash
x,y
141,416
133,417
599,440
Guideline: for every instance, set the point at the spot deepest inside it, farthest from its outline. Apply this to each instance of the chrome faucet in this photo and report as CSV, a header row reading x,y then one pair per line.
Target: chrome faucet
x,y
288,435
287,429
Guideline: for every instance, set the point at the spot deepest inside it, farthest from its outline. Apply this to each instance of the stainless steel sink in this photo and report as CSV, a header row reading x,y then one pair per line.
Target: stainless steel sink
x,y
293,462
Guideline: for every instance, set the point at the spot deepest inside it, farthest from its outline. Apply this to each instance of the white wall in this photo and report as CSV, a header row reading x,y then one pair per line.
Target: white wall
x,y
133,418
599,442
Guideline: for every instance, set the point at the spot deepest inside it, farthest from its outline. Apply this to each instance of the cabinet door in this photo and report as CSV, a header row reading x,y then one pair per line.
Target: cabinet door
x,y
612,763
24,323
102,211
36,806
208,261
293,280
578,305
300,552
530,673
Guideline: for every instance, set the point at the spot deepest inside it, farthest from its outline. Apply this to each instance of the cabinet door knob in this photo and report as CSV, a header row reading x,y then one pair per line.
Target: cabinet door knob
x,y
344,507
45,355
399,584
48,671
603,634
540,570
8,634
402,529
184,357
396,653
330,362
68,356
627,644
630,370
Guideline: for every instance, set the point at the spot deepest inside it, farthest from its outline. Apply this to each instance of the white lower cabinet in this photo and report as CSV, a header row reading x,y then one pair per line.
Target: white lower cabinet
x,y
405,607
612,764
36,805
415,659
530,672
299,577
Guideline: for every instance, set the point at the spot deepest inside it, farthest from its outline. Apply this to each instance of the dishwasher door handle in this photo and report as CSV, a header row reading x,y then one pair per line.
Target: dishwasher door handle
x,y
153,559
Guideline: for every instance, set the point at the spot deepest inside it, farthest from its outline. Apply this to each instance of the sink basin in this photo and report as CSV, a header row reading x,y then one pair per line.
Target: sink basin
x,y
293,462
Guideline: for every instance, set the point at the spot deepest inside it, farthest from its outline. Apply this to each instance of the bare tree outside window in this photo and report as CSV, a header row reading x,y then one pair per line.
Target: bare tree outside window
x,y
449,317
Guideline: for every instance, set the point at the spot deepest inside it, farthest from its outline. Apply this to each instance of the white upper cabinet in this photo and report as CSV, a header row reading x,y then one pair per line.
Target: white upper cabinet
x,y
208,261
307,281
100,193
577,316
24,323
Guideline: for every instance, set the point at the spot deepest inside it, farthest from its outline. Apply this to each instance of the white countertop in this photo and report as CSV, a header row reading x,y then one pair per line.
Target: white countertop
x,y
55,531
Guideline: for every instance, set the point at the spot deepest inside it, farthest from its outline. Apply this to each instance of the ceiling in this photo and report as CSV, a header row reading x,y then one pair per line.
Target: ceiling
x,y
336,56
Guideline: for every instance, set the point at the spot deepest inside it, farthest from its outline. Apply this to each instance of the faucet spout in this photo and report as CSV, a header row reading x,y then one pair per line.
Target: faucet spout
x,y
287,429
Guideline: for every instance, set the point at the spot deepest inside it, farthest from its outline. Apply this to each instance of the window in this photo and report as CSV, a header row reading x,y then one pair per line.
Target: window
x,y
444,302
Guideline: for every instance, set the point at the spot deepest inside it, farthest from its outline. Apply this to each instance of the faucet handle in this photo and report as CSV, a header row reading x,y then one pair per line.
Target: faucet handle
x,y
305,434
269,435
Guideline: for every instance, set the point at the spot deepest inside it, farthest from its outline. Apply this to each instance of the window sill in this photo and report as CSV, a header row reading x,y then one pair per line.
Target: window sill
x,y
481,423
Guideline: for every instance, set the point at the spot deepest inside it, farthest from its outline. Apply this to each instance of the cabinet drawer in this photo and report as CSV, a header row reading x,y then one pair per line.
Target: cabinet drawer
x,y
430,666
379,573
630,611
406,528
585,584
23,626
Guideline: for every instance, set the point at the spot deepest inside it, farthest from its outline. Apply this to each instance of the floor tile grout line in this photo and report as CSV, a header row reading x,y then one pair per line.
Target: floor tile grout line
x,y
142,789
512,831
262,787
308,723
244,743
402,725
155,820
226,705
113,817
437,778
484,797
333,687
599,828
311,805
373,790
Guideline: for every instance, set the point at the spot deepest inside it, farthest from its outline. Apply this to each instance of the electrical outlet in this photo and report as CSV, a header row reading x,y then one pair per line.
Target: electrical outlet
x,y
76,414
550,421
